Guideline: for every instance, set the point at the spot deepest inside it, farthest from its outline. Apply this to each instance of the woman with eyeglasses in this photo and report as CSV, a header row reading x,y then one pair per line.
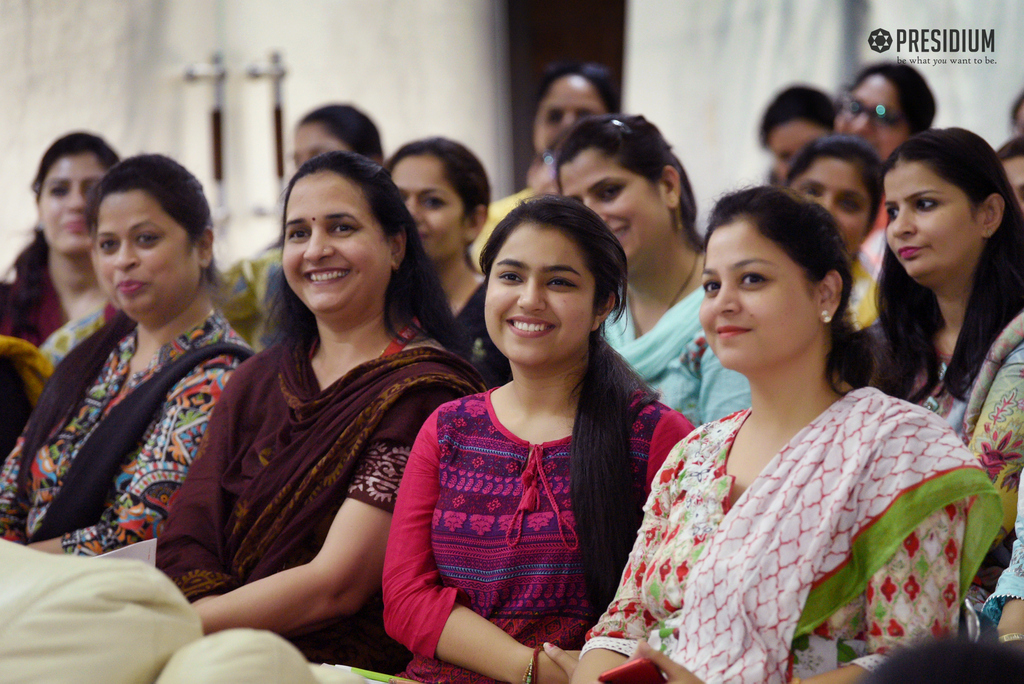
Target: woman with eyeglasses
x,y
886,104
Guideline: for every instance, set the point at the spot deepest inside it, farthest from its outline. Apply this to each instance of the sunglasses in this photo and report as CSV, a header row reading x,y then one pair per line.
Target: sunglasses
x,y
879,114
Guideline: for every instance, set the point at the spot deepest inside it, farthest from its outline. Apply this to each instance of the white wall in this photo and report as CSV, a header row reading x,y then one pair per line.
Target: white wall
x,y
116,67
704,71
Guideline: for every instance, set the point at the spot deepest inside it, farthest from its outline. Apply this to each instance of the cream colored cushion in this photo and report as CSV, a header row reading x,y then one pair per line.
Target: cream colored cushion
x,y
84,620
247,655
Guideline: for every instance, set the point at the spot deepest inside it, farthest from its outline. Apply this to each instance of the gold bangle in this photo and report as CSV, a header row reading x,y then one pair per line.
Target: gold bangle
x,y
1012,636
796,680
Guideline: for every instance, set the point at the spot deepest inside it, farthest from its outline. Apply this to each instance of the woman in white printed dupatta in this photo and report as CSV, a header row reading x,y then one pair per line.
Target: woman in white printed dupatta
x,y
804,538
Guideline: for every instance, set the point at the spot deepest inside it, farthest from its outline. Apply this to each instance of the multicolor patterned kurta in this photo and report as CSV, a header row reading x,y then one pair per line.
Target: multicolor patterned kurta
x,y
137,503
487,516
991,424
809,560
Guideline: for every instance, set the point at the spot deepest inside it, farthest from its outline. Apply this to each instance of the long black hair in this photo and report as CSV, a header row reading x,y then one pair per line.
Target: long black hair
x,y
610,396
808,234
635,144
414,295
908,313
30,266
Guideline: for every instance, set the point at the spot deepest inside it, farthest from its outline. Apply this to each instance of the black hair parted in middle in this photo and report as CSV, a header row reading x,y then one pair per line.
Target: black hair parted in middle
x,y
599,462
414,295
908,313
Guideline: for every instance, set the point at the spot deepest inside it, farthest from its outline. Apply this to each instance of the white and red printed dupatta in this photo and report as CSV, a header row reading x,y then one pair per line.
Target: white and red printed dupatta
x,y
828,511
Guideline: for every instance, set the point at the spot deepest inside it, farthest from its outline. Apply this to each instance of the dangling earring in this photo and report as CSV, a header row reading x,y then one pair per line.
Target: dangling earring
x,y
826,317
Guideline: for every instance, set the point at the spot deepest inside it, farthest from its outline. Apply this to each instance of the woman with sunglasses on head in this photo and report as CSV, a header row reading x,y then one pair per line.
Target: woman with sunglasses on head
x,y
951,295
622,168
802,539
519,505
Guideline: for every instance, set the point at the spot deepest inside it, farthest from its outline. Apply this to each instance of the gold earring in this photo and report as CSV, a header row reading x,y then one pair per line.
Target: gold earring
x,y
826,317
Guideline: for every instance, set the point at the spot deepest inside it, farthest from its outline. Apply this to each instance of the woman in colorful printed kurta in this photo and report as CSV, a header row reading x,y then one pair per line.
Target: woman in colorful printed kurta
x,y
951,296
824,525
153,252
496,546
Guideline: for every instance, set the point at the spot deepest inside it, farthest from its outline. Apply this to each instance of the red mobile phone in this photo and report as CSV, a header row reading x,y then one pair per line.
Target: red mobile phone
x,y
639,671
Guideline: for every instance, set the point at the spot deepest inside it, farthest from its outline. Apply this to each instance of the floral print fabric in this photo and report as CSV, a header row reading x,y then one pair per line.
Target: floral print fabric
x,y
137,504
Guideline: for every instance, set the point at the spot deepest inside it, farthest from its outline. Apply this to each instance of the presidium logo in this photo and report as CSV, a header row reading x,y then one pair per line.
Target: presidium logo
x,y
935,40
880,40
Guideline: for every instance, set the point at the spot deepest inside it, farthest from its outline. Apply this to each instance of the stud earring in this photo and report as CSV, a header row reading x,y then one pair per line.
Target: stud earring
x,y
826,317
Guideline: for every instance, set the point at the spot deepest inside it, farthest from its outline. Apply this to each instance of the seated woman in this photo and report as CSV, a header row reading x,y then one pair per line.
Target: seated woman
x,y
120,421
282,523
828,523
54,281
951,296
446,190
886,104
622,168
490,555
843,174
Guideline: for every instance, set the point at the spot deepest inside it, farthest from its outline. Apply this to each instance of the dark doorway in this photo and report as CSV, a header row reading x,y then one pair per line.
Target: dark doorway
x,y
543,31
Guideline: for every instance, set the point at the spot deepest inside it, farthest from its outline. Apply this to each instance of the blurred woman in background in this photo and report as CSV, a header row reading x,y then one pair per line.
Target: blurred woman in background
x,y
446,190
54,281
843,174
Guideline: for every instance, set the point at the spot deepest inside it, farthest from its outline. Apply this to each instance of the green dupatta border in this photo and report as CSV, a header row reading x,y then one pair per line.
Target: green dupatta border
x,y
877,544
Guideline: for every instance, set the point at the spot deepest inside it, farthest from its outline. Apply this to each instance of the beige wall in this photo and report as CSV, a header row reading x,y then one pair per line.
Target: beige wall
x,y
116,67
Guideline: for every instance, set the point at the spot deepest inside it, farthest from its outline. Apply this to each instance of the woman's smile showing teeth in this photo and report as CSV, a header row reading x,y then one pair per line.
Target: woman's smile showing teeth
x,y
530,326
323,276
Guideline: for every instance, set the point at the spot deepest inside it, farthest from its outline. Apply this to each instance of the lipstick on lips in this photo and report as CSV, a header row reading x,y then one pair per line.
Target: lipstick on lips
x,y
727,331
907,252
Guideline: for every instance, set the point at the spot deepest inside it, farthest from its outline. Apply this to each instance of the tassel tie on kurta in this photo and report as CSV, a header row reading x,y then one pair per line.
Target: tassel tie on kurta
x,y
532,472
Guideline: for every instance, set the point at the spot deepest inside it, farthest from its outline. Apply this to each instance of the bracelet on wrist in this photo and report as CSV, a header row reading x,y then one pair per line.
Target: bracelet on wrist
x,y
532,669
1012,636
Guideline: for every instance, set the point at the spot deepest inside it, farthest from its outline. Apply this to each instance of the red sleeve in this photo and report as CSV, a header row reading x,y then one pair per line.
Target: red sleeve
x,y
416,604
670,430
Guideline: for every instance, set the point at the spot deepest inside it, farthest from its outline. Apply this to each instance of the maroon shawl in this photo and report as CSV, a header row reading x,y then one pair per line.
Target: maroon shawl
x,y
279,453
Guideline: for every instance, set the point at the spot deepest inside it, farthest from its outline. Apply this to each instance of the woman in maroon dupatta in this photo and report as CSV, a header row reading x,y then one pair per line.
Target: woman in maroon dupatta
x,y
283,521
